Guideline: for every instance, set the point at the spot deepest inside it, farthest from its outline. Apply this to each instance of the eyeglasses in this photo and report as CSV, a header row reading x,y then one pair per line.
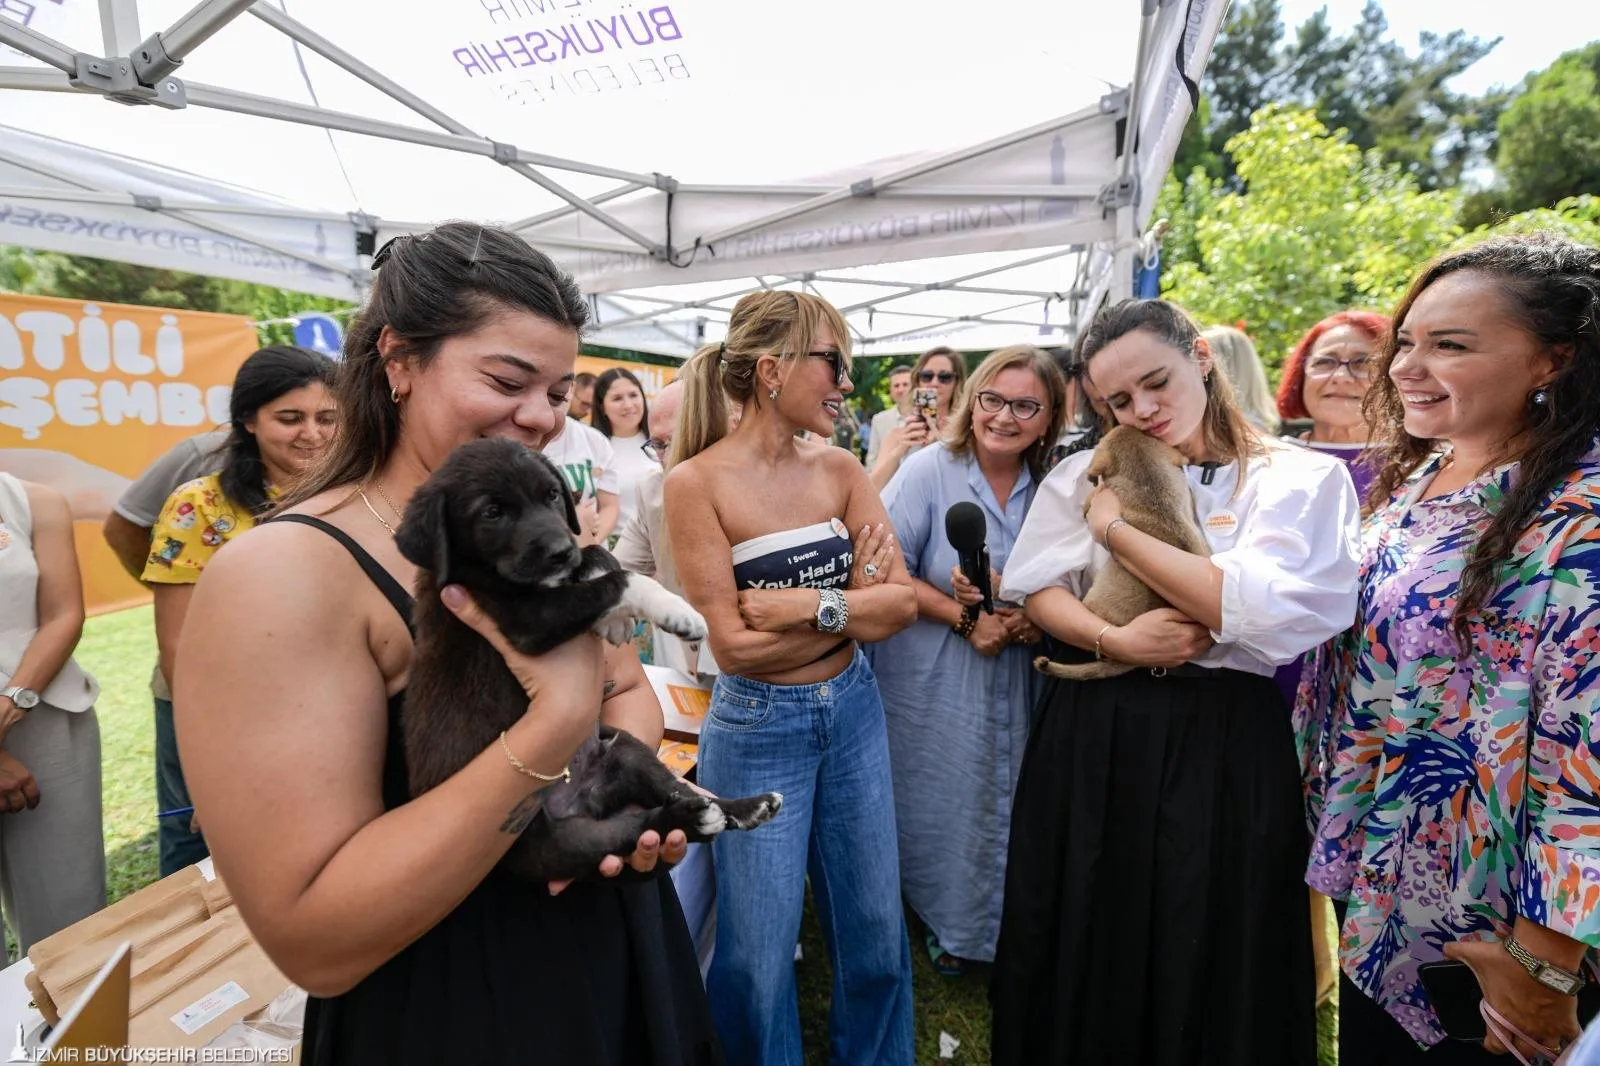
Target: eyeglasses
x,y
1022,410
944,377
841,375
655,449
1326,366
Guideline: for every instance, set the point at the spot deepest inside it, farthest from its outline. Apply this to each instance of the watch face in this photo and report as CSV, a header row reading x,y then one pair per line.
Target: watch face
x,y
27,699
828,616
1564,983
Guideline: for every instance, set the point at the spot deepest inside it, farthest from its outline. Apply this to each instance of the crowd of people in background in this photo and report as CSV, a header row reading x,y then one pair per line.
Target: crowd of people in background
x,y
1376,685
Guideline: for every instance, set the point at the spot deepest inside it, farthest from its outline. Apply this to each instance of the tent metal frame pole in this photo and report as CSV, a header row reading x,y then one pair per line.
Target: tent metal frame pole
x,y
902,191
935,286
35,44
267,107
31,79
912,287
197,26
209,225
395,91
871,186
568,212
119,26
125,199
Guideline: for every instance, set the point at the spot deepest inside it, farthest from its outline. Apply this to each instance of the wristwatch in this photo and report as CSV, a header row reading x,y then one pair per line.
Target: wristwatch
x,y
1548,974
25,698
833,611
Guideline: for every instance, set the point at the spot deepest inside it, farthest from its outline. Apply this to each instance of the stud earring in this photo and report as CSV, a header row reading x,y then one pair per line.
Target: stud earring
x,y
1540,397
773,395
394,393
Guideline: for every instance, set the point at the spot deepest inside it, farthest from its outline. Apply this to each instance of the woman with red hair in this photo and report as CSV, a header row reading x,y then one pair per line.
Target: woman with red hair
x,y
1326,381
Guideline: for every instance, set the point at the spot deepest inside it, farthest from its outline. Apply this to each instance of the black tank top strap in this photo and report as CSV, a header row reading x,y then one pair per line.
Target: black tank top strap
x,y
396,790
398,597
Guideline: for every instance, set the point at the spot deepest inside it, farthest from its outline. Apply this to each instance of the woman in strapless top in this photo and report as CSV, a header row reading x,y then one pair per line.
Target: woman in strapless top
x,y
773,540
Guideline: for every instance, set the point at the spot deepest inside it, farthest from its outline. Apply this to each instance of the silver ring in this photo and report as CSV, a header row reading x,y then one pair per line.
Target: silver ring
x,y
871,569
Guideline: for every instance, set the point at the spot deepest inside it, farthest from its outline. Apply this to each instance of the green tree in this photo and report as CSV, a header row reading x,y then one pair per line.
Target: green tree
x,y
1321,226
1550,136
1362,81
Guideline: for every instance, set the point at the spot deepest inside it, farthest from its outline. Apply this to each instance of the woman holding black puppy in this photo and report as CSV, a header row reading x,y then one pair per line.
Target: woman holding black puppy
x,y
390,911
1154,909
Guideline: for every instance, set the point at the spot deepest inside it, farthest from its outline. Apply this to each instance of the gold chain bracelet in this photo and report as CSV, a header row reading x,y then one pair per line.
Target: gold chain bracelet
x,y
564,775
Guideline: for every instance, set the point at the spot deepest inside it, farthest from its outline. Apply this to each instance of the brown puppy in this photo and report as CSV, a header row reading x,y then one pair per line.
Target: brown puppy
x,y
1147,476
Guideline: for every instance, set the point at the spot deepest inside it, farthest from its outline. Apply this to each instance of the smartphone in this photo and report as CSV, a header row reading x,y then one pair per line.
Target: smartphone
x,y
926,403
1453,989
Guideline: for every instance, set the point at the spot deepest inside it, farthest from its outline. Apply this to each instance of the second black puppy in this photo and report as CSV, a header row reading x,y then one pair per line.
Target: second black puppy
x,y
496,518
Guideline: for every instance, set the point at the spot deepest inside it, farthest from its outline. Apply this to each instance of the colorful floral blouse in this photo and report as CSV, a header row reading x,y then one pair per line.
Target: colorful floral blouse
x,y
198,518
1430,815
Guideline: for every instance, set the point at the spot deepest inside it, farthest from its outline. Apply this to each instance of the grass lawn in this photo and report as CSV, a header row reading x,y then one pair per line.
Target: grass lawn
x,y
119,650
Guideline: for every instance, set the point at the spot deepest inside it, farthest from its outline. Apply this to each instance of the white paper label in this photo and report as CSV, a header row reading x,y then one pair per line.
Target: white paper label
x,y
208,1008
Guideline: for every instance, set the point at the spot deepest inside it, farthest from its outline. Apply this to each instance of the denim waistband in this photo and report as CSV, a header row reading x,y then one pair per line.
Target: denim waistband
x,y
829,689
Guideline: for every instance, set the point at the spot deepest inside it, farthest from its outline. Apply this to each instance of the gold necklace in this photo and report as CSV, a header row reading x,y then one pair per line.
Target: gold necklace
x,y
385,497
362,493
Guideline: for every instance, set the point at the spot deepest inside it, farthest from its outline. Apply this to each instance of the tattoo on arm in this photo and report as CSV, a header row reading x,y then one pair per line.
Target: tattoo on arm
x,y
519,817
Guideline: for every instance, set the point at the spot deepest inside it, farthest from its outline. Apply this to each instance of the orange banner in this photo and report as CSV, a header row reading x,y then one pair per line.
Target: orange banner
x,y
651,378
92,393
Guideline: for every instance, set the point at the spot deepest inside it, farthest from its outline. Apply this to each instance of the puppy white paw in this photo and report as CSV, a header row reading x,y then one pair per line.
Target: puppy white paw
x,y
614,628
685,623
711,821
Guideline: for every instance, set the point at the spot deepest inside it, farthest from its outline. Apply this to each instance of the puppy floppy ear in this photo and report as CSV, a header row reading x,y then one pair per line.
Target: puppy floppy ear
x,y
424,535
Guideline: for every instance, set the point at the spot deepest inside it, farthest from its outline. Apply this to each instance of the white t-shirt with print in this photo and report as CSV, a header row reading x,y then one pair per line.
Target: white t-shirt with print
x,y
586,460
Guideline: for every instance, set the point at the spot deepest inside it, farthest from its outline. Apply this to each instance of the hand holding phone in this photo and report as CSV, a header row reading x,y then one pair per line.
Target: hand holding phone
x,y
925,402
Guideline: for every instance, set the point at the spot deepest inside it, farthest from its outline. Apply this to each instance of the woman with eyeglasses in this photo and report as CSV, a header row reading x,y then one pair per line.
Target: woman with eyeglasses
x,y
941,373
621,412
1155,905
958,686
760,527
1326,380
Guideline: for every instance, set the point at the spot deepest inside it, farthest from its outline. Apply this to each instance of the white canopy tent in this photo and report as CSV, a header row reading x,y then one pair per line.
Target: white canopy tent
x,y
1005,197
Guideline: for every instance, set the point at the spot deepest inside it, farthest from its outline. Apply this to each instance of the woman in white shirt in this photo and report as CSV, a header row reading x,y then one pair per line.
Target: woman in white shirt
x,y
621,412
1154,910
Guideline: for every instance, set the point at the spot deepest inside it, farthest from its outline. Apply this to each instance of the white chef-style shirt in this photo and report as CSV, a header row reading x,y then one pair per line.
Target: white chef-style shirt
x,y
1288,545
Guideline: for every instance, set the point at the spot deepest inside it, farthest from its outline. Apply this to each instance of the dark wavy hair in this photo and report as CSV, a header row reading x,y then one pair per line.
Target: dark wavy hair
x,y
1229,435
597,412
1552,287
266,375
451,280
1292,389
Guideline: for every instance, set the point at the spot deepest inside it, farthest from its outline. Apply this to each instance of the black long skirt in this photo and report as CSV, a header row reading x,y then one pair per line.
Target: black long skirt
x,y
1155,906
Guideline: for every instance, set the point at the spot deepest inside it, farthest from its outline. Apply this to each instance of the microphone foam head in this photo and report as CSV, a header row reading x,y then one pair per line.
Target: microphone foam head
x,y
966,527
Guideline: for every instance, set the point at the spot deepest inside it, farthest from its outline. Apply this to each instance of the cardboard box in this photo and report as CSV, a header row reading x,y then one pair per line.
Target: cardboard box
x,y
196,968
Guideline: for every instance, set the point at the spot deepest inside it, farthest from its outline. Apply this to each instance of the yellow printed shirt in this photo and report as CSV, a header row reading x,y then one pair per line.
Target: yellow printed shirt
x,y
198,518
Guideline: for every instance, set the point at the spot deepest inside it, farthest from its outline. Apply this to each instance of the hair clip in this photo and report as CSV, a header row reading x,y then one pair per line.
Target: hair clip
x,y
383,254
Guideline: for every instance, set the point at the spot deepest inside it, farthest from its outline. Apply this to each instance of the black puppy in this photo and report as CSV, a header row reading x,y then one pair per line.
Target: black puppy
x,y
496,518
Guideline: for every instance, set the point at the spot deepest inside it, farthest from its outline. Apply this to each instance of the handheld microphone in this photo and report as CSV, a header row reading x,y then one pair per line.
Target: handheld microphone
x,y
967,529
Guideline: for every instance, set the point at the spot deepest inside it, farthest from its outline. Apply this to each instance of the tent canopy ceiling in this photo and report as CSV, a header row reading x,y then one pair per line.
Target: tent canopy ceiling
x,y
670,155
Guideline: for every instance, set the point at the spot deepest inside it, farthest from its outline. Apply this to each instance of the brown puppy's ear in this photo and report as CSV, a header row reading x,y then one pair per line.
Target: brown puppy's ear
x,y
424,536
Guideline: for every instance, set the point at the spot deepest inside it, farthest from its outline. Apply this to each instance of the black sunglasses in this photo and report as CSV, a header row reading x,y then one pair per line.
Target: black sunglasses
x,y
841,376
655,449
944,377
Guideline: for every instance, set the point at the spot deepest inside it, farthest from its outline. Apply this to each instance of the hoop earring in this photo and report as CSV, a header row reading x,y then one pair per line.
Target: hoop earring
x,y
394,394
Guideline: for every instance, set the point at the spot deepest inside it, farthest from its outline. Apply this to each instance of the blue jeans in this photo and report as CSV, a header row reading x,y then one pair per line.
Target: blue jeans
x,y
823,746
177,846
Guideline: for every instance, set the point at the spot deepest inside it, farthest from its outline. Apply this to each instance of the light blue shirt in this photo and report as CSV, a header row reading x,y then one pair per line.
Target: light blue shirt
x,y
958,720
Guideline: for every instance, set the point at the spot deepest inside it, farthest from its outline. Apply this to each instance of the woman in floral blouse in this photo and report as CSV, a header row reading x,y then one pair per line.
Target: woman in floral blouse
x,y
1456,805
